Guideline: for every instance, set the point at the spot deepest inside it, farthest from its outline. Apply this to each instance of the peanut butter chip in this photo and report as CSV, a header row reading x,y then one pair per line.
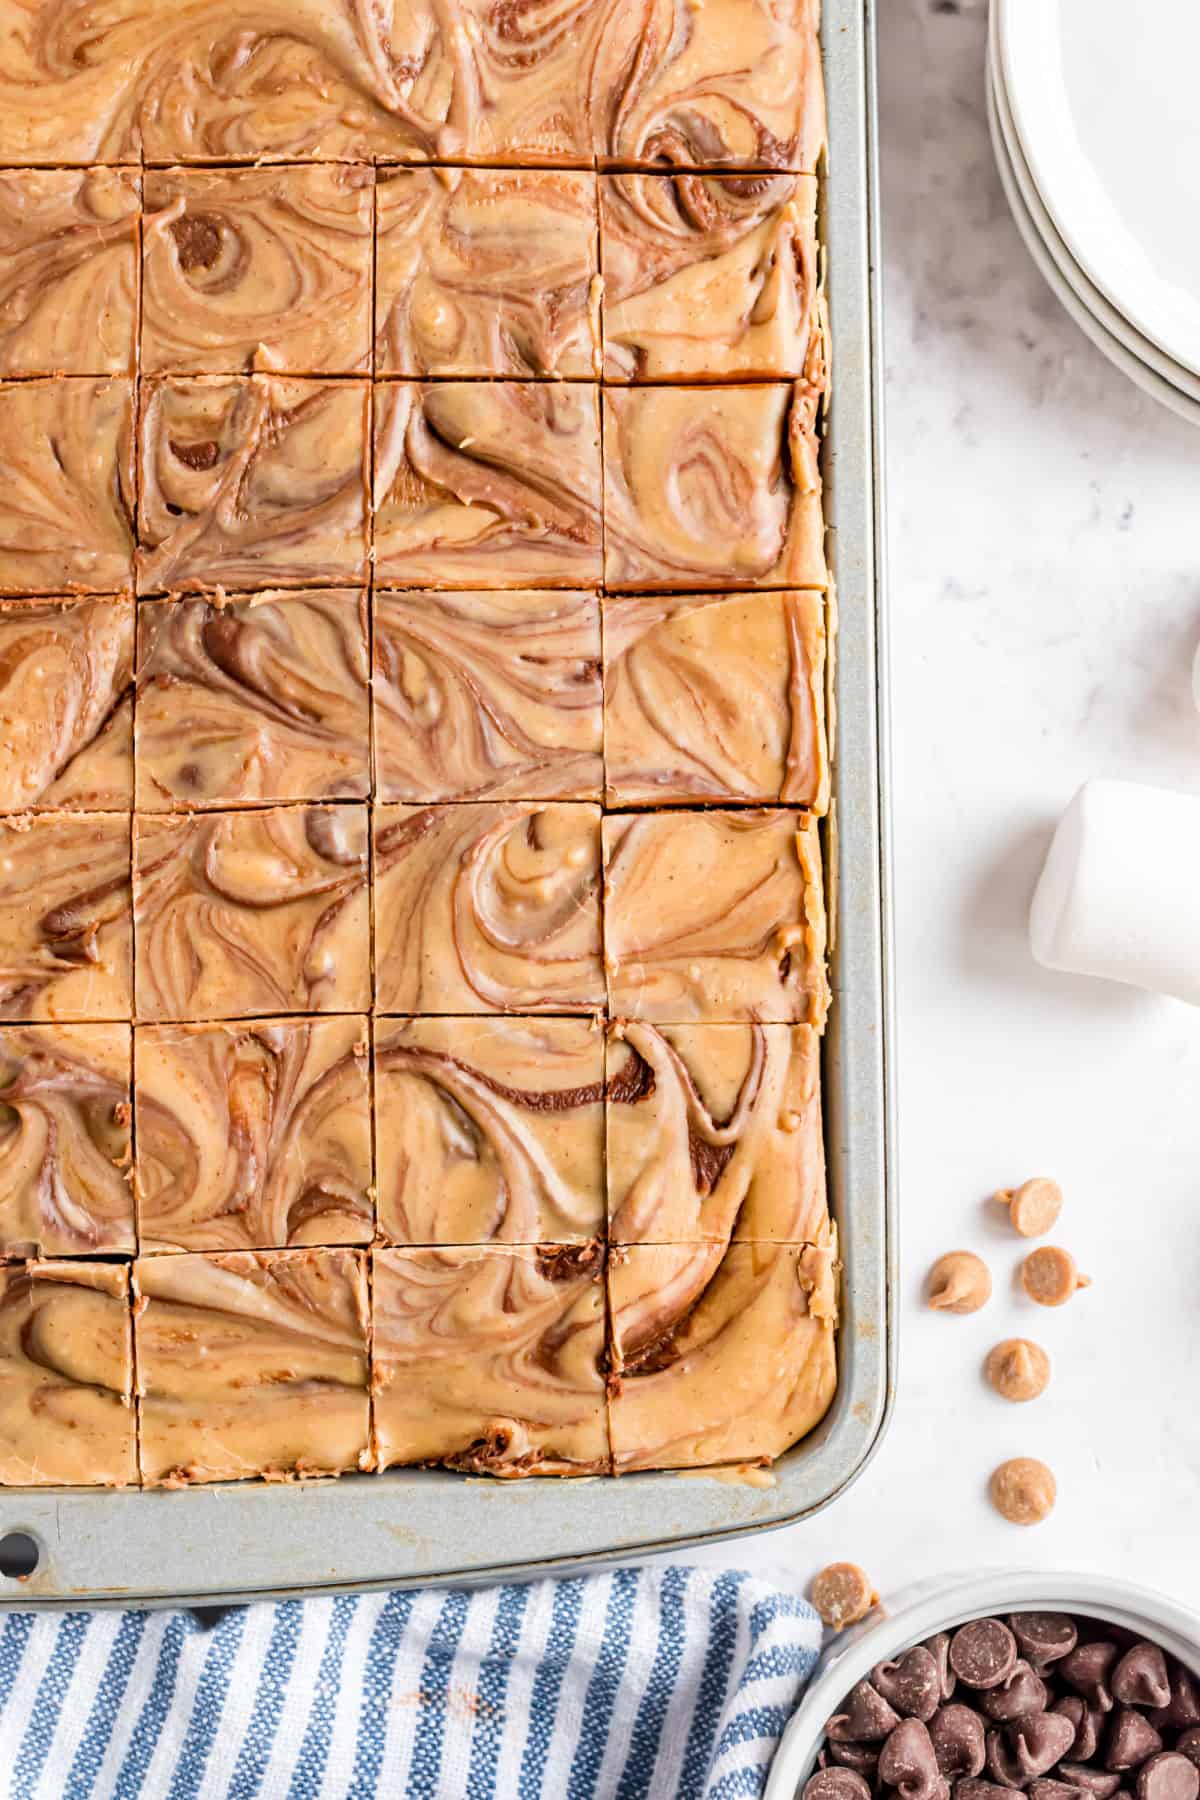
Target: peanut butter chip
x,y
842,1594
1050,1276
959,1282
1034,1206
1018,1369
1023,1490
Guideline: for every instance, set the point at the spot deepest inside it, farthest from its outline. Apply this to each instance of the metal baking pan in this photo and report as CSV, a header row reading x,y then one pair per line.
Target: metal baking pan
x,y
243,1540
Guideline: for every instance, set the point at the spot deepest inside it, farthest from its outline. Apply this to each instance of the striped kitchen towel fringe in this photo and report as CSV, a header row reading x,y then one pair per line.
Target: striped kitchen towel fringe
x,y
668,1683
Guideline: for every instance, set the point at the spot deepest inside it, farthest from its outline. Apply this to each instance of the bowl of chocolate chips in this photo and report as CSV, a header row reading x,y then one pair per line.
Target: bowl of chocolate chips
x,y
1003,1687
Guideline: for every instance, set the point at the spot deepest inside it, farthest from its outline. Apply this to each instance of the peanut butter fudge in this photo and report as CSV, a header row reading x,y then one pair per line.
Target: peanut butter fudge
x,y
66,505
710,277
487,484
714,1132
487,908
718,1354
251,1364
740,90
490,1360
65,1140
257,269
714,917
66,931
488,272
251,481
715,697
68,291
712,487
490,1130
487,694
262,698
66,1376
66,705
253,1136
240,914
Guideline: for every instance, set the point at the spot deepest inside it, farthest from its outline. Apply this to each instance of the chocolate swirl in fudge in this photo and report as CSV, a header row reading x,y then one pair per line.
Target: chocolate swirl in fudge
x,y
487,695
244,913
65,919
66,705
260,699
65,1140
68,287
253,1136
491,1361
490,1130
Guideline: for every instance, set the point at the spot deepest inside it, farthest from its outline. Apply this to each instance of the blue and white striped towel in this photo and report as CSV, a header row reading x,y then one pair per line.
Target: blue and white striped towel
x,y
667,1683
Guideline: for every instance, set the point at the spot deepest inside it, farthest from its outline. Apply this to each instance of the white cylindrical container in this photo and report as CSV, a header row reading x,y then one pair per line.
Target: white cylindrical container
x,y
1119,895
941,1605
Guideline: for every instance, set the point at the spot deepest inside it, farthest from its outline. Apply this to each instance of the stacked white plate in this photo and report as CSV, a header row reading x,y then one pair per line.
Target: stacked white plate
x,y
1095,114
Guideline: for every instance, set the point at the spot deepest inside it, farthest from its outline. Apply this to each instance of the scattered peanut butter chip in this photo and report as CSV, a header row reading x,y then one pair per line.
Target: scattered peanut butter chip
x,y
1050,1275
1034,1206
1018,1369
842,1594
959,1282
1023,1490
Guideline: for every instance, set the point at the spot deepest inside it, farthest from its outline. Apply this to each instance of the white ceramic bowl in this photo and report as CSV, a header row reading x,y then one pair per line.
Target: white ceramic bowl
x,y
939,1606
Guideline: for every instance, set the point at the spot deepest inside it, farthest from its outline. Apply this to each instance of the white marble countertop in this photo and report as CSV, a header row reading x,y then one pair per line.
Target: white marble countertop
x,y
1045,603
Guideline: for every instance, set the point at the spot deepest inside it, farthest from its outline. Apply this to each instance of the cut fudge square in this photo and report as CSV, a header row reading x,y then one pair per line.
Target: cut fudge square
x,y
66,705
487,484
65,1154
66,932
712,487
720,1353
487,272
491,1360
66,1376
68,291
714,1132
244,914
252,1364
66,506
254,1136
257,269
713,917
263,698
488,908
744,92
490,1130
710,278
488,694
715,697
251,481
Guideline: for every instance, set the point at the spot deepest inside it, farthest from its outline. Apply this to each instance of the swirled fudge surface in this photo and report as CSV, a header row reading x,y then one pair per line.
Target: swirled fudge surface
x,y
414,651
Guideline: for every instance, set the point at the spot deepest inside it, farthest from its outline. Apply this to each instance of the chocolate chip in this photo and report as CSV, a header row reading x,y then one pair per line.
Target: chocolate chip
x,y
938,1647
1131,1740
1022,1692
985,1790
958,1742
836,1784
1141,1678
1091,1781
864,1758
1086,1669
1188,1744
1086,1720
910,1684
909,1763
1183,1708
865,1718
1046,1788
983,1653
1168,1776
1044,1637
1028,1747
